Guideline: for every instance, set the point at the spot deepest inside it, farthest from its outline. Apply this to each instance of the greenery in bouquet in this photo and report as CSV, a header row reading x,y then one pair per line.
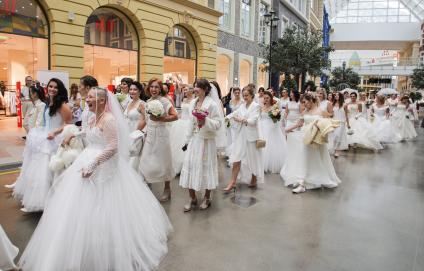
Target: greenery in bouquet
x,y
275,113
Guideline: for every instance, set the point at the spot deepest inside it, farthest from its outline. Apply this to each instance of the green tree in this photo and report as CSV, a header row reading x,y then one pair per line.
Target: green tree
x,y
416,96
298,52
347,77
289,84
418,78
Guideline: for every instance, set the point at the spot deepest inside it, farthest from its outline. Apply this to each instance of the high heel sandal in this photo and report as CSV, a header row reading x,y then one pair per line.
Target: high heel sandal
x,y
190,206
166,196
205,204
228,190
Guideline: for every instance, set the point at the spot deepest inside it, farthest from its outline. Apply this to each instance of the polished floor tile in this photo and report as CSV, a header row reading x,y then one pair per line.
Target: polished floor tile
x,y
373,221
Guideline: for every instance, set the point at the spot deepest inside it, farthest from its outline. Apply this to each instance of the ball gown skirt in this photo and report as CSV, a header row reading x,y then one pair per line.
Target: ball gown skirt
x,y
404,126
250,157
35,179
178,131
200,167
8,252
385,130
109,221
274,153
156,157
363,134
309,163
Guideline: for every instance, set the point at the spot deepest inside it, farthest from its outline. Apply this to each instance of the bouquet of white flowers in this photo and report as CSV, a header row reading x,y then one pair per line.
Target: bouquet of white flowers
x,y
155,108
275,113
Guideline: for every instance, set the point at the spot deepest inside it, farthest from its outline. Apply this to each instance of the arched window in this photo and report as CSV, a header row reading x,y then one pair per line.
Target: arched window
x,y
180,56
24,40
245,70
111,47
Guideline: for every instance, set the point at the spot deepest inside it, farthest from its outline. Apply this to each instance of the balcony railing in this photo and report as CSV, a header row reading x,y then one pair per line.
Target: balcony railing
x,y
384,63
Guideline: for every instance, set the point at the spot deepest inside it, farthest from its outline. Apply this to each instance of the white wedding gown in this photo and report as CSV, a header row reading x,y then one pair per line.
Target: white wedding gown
x,y
403,124
109,221
232,129
383,127
363,134
133,117
178,131
310,164
8,252
338,138
35,179
275,151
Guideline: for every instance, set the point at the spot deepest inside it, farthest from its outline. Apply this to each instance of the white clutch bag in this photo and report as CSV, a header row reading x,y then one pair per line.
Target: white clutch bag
x,y
136,143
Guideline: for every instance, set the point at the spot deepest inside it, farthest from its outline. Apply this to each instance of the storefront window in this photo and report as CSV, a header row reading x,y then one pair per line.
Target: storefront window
x,y
180,56
245,70
223,73
111,47
262,76
24,43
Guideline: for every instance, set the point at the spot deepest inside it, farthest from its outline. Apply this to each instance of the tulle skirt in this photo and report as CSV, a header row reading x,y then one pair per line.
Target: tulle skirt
x,y
178,133
404,126
200,167
363,134
110,221
310,164
385,130
8,252
35,179
250,157
275,151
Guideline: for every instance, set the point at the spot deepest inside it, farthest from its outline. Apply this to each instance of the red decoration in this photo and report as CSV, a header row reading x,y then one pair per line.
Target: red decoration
x,y
105,26
171,91
19,104
9,7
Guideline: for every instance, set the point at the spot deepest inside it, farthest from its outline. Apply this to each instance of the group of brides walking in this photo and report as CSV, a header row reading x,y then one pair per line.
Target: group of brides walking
x,y
99,213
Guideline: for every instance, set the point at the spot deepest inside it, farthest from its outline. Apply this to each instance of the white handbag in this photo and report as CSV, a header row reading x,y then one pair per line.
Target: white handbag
x,y
136,143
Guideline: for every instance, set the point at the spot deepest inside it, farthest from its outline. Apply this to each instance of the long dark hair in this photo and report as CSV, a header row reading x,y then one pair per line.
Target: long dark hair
x,y
203,84
89,81
340,101
270,95
60,98
296,95
140,88
39,91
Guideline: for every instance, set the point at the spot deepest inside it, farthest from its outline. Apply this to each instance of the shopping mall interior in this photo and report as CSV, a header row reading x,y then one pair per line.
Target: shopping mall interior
x,y
374,220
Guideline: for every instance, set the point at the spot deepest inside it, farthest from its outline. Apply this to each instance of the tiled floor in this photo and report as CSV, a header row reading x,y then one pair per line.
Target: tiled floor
x,y
374,221
11,142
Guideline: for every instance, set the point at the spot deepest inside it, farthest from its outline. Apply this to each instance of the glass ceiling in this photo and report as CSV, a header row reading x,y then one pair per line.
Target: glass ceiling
x,y
375,11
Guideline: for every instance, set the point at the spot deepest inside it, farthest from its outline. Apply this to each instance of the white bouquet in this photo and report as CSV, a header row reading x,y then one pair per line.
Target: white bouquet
x,y
155,108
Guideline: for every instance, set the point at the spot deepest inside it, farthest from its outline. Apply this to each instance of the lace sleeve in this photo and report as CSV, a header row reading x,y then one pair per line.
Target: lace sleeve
x,y
110,133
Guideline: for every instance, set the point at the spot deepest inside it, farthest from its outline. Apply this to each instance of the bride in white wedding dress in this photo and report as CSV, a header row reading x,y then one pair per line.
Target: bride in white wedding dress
x,y
99,216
